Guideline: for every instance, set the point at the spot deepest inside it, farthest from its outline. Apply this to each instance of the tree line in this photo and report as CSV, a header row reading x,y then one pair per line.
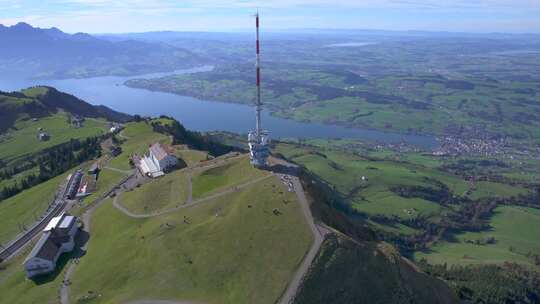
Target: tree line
x,y
498,284
55,161
193,139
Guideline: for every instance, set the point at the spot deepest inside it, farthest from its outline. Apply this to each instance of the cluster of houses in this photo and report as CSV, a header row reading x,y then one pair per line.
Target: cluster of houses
x,y
156,162
58,237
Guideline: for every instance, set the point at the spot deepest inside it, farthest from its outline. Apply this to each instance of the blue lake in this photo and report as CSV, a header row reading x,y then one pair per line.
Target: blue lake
x,y
202,115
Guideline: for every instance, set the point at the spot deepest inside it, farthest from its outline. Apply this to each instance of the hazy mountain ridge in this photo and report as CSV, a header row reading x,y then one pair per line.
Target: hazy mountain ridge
x,y
51,53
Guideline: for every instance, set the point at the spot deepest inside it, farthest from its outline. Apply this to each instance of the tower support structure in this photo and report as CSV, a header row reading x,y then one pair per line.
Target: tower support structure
x,y
258,139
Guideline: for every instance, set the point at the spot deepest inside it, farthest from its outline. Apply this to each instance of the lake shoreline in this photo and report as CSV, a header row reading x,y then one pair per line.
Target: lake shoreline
x,y
205,115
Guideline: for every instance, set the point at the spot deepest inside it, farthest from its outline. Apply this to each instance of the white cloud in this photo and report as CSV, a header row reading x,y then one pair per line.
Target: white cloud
x,y
144,15
220,4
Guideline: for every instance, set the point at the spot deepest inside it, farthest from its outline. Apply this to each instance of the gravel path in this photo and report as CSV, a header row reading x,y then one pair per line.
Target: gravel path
x,y
64,289
318,237
127,172
232,189
86,216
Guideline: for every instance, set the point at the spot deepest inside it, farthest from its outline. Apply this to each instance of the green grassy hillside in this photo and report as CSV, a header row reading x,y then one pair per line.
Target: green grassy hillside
x,y
167,192
16,288
231,173
137,136
229,250
346,271
431,213
22,209
22,139
38,102
515,231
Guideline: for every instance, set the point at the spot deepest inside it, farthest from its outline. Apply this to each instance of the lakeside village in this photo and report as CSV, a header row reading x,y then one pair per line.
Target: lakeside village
x,y
60,232
472,141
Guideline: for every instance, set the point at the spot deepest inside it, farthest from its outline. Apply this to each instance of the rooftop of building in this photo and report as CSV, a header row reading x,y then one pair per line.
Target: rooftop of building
x,y
158,151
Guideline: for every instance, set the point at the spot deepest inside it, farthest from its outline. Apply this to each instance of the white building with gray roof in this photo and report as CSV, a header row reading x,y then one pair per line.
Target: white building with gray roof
x,y
157,161
58,237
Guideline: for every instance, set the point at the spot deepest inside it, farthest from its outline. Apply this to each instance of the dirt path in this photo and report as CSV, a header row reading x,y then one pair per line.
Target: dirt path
x,y
318,238
292,288
121,135
127,172
64,290
189,199
232,189
86,219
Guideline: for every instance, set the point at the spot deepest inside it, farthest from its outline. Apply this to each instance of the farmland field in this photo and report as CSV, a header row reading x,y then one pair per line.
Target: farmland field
x,y
516,231
17,143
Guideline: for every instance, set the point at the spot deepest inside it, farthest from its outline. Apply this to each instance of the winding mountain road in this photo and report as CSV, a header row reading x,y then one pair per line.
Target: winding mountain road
x,y
290,292
318,235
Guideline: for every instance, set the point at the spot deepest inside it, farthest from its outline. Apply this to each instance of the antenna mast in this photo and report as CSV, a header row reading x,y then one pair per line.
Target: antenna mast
x,y
258,139
258,67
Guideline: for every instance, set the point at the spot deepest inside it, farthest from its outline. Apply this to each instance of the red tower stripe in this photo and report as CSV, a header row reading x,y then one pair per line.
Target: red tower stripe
x,y
258,77
258,50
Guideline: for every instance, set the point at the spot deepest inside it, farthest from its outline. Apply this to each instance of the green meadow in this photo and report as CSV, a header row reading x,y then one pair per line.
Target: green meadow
x,y
208,253
138,137
165,192
25,207
23,140
16,288
516,231
232,173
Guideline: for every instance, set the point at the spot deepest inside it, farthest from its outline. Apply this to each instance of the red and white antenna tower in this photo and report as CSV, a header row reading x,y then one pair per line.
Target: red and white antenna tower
x,y
259,139
258,67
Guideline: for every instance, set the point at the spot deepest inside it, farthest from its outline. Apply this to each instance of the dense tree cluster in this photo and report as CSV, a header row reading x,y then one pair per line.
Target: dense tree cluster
x,y
509,283
53,162
441,195
193,139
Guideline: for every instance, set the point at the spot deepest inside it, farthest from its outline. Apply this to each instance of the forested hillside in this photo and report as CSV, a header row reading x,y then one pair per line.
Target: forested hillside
x,y
39,102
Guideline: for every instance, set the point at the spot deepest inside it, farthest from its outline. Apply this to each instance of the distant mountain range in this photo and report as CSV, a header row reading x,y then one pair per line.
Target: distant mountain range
x,y
52,53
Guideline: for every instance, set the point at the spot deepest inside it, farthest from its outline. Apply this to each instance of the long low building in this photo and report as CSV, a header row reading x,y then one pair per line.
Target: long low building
x,y
58,237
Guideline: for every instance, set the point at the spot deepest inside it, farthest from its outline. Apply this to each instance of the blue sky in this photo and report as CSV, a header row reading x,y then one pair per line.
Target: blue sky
x,y
99,16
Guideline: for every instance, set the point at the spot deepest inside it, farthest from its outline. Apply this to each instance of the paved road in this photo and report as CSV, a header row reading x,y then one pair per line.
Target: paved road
x,y
318,237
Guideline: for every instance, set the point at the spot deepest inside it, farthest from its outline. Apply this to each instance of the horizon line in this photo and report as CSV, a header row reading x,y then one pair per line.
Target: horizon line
x,y
290,30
